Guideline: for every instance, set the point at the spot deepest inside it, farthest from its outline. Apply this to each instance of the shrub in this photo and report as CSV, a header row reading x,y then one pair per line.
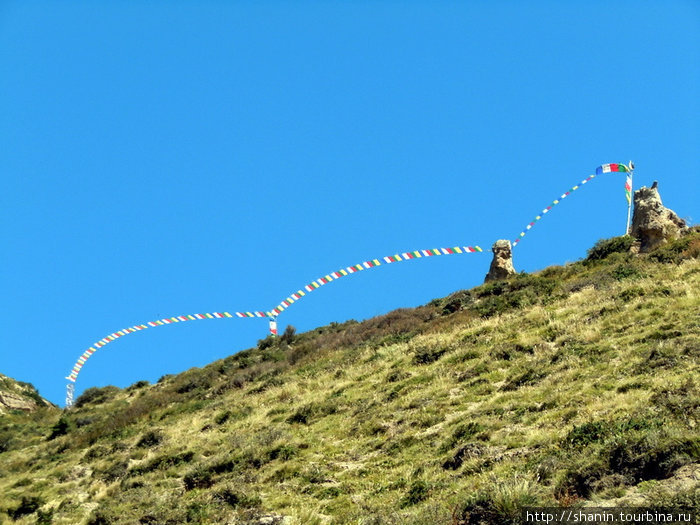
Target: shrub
x,y
625,271
283,452
44,517
162,462
95,452
455,302
113,472
196,513
583,435
418,492
6,441
62,427
676,250
268,342
28,505
102,517
236,498
604,247
681,402
303,415
200,477
96,395
150,439
397,375
501,503
223,417
137,385
471,450
630,293
288,335
599,431
424,355
651,456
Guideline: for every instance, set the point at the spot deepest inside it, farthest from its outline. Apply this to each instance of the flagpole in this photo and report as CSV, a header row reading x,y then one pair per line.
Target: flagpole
x,y
629,200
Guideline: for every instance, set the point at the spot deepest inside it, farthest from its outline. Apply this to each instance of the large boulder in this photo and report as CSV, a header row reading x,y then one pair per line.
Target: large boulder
x,y
652,223
502,262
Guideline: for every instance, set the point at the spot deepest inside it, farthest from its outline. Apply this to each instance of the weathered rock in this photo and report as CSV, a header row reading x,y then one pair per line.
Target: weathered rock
x,y
652,223
16,395
9,401
502,262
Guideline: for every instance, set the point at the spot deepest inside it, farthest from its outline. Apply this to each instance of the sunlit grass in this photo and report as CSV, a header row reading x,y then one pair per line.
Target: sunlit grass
x,y
406,418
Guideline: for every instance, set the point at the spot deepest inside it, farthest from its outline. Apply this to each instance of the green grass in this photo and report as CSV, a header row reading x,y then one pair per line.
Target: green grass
x,y
576,384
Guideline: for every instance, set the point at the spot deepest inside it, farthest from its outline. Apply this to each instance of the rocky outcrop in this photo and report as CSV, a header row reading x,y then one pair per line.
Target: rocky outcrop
x,y
502,262
17,395
9,401
652,223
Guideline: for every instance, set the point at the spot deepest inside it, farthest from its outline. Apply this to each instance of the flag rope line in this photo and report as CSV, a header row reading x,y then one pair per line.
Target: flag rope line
x,y
137,328
314,285
605,168
272,314
406,256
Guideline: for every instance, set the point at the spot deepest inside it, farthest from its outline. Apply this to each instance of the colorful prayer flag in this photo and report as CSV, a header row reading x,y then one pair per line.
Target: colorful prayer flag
x,y
607,168
628,190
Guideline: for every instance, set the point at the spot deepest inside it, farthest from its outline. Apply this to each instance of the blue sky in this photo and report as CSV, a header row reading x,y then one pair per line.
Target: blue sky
x,y
168,158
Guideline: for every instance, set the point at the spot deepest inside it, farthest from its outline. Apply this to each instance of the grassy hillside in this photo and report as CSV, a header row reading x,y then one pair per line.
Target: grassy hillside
x,y
574,386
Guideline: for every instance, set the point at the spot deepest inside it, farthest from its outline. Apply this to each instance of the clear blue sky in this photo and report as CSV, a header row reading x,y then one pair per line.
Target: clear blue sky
x,y
167,158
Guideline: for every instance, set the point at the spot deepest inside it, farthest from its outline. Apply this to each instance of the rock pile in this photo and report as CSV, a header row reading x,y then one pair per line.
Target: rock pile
x,y
652,223
502,262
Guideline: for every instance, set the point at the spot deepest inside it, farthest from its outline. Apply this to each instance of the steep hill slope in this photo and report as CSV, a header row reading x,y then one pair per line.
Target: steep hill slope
x,y
574,386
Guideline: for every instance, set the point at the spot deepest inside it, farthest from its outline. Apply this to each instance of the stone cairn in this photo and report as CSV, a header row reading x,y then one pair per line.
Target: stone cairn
x,y
652,223
502,262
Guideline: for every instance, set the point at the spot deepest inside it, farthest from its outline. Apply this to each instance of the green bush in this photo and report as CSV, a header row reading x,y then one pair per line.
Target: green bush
x,y
28,505
499,504
44,517
62,427
455,302
419,491
163,462
630,293
471,450
96,395
425,354
137,385
113,472
201,477
282,452
605,247
650,455
150,439
599,431
676,250
288,335
681,402
625,271
236,498
6,441
222,417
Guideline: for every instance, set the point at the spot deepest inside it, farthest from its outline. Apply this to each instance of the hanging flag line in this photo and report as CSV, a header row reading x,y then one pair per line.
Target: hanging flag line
x,y
286,303
73,376
137,328
406,256
605,168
